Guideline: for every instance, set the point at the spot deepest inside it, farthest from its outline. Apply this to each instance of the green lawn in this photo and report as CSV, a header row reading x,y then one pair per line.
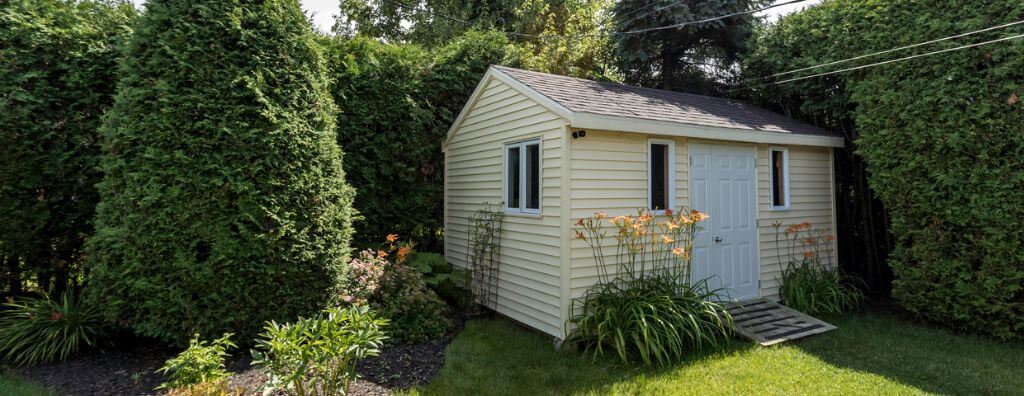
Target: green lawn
x,y
13,386
868,354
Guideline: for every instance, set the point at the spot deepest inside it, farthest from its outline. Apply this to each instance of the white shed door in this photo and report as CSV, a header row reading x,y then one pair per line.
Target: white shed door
x,y
722,185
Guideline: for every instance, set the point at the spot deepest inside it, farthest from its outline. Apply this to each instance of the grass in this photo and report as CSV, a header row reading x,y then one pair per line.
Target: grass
x,y
13,386
868,354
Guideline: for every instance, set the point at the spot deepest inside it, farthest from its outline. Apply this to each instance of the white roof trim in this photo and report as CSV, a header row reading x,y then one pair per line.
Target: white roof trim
x,y
496,74
669,128
636,125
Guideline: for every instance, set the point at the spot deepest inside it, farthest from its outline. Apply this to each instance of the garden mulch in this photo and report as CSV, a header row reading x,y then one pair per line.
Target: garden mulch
x,y
132,370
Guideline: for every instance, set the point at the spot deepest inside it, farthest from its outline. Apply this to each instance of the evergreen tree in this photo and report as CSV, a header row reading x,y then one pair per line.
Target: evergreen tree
x,y
57,77
223,203
697,58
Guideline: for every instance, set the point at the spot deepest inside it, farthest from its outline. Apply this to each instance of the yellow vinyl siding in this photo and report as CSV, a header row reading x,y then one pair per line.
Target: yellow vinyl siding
x,y
609,174
529,285
810,175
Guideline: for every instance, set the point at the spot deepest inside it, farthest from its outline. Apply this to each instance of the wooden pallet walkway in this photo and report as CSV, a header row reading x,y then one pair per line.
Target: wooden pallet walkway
x,y
769,323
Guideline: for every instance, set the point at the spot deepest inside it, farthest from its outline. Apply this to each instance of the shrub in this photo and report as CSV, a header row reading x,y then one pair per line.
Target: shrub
x,y
57,77
810,282
201,363
212,388
397,292
941,137
224,203
647,309
447,280
318,356
35,330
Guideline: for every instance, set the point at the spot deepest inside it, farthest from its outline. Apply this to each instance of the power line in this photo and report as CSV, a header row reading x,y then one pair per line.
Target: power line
x,y
585,35
849,69
1006,25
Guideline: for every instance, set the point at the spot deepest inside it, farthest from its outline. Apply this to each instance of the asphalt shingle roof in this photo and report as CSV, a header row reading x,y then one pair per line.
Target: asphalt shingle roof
x,y
586,96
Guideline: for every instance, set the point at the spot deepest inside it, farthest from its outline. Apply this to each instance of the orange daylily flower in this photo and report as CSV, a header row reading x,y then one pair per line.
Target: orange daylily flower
x,y
382,254
579,235
678,251
403,252
666,240
808,255
392,238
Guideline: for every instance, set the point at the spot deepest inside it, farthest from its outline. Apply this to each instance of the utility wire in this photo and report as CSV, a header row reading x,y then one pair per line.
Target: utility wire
x,y
585,35
1003,26
849,69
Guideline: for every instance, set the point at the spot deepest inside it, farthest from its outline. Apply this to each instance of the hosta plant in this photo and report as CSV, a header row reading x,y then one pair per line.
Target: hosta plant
x,y
644,307
810,282
42,329
318,355
202,362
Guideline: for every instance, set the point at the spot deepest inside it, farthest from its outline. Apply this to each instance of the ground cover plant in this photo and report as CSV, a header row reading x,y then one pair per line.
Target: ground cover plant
x,y
448,281
811,282
43,329
318,355
201,365
223,203
384,281
870,353
644,307
940,135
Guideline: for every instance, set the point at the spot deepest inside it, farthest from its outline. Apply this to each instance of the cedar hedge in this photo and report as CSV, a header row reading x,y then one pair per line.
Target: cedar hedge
x,y
224,203
943,138
57,77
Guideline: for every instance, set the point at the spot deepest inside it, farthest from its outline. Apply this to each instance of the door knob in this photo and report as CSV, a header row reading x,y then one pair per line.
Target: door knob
x,y
718,239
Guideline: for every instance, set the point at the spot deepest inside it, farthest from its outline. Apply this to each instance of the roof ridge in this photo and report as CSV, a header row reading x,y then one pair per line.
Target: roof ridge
x,y
619,84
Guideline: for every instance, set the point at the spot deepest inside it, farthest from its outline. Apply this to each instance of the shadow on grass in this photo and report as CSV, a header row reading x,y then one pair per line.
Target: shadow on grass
x,y
868,354
930,359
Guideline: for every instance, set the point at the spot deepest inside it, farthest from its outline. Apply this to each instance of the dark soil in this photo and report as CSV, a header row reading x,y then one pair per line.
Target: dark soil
x,y
132,371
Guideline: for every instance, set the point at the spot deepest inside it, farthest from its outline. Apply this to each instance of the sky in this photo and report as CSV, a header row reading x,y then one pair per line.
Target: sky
x,y
323,11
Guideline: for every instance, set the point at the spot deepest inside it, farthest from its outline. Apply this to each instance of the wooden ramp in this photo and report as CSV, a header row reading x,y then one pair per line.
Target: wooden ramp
x,y
770,323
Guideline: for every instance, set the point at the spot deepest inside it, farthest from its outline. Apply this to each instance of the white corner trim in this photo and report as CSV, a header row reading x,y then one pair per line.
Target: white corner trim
x,y
668,128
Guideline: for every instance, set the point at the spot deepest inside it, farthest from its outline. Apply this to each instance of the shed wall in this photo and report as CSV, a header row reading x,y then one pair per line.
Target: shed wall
x,y
529,284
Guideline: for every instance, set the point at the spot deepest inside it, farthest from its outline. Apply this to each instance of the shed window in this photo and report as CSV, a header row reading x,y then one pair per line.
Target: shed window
x,y
661,194
522,177
780,178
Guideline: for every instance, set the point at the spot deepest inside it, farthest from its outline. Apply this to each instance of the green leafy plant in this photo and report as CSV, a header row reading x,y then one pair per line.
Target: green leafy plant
x,y
34,330
318,356
397,292
643,306
810,283
447,280
201,362
210,388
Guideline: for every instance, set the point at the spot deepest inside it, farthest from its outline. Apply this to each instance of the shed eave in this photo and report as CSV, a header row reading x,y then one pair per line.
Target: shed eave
x,y
668,128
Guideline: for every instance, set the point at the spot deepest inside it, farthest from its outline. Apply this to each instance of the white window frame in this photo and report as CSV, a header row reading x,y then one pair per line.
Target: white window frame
x,y
521,144
786,182
671,174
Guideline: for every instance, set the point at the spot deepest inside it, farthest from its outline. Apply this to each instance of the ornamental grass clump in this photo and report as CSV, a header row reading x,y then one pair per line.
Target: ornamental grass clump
x,y
42,329
810,282
644,307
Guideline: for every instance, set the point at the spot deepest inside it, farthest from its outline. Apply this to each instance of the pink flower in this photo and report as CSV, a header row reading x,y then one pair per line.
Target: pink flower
x,y
56,316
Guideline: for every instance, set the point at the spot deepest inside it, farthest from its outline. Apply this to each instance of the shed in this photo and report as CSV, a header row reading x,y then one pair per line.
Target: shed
x,y
554,149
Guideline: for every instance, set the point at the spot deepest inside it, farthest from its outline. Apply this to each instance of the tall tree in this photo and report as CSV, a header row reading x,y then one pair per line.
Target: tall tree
x,y
57,77
429,23
564,37
223,202
698,58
